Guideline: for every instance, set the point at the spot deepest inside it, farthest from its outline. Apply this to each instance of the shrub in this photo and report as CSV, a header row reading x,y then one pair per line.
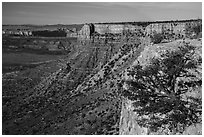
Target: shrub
x,y
167,92
157,38
199,35
197,29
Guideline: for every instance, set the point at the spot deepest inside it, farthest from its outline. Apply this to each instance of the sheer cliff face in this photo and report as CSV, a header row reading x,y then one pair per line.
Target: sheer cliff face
x,y
114,29
84,33
176,28
102,29
87,30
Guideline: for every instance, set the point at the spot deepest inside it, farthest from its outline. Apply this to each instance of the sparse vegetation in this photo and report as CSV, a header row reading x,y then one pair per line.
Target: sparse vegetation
x,y
194,31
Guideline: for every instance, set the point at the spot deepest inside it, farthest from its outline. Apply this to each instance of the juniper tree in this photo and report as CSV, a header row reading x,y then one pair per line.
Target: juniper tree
x,y
167,92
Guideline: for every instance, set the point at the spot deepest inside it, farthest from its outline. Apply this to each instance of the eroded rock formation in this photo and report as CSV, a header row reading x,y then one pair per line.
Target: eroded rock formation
x,y
178,29
87,99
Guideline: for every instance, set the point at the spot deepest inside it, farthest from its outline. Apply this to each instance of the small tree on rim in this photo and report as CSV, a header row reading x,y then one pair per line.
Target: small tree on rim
x,y
167,93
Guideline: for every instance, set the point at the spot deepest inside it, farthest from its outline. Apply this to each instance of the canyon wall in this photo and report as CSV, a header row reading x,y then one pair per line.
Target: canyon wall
x,y
107,28
84,33
100,35
89,29
177,28
114,28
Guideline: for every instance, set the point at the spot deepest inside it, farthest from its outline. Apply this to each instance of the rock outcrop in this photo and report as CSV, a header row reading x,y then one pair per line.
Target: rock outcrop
x,y
128,122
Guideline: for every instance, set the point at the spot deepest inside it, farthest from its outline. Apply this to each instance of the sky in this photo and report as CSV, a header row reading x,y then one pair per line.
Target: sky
x,y
95,12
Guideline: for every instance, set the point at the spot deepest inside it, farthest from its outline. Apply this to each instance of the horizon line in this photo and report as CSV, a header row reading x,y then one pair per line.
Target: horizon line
x,y
159,21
